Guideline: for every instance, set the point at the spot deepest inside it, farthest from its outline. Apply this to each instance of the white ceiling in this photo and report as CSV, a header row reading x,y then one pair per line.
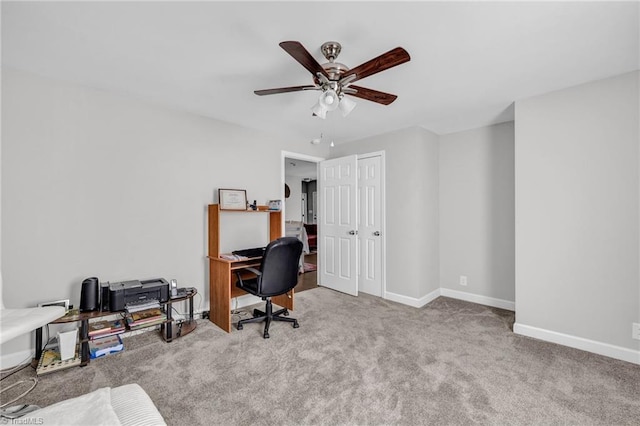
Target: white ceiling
x,y
469,60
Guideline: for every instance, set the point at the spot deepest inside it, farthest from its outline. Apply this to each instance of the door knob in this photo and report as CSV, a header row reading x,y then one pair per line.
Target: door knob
x,y
377,233
352,232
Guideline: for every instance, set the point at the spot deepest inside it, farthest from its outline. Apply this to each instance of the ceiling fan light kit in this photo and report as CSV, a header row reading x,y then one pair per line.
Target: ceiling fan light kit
x,y
346,106
329,99
319,111
317,141
334,79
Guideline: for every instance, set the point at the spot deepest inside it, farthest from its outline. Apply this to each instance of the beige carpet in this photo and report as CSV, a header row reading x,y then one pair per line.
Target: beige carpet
x,y
361,361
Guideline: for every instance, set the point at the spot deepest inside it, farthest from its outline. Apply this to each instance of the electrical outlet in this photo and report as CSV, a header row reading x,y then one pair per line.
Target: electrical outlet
x,y
463,280
635,333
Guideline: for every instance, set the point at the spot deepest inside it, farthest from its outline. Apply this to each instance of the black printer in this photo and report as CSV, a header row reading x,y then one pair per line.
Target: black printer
x,y
133,292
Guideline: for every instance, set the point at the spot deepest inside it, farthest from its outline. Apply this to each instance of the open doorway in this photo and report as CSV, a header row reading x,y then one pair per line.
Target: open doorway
x,y
301,212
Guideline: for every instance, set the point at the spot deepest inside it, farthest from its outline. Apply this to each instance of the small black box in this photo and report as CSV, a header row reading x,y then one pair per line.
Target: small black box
x,y
104,297
89,294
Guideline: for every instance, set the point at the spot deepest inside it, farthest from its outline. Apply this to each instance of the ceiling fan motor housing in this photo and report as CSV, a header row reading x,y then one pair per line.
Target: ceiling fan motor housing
x,y
335,69
331,50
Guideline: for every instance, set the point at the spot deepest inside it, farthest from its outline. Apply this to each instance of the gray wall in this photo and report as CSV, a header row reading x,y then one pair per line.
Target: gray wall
x,y
577,211
94,183
97,184
477,211
411,184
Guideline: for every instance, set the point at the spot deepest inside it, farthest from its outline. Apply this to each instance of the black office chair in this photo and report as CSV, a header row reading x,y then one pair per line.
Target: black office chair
x,y
278,274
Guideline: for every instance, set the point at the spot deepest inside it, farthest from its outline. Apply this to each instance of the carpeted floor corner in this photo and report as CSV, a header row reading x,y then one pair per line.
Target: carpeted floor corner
x,y
364,360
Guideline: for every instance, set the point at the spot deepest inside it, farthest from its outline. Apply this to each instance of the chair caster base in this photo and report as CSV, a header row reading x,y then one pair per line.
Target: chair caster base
x,y
269,316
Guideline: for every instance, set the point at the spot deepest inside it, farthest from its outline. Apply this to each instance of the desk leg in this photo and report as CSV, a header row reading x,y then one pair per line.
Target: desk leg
x,y
169,323
220,294
84,345
284,300
38,344
191,308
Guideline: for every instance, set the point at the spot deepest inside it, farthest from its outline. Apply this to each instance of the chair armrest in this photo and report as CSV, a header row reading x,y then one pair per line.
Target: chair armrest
x,y
254,270
239,275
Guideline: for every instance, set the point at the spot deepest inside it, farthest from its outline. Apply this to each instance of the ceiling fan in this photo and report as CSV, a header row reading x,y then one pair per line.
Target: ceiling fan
x,y
335,79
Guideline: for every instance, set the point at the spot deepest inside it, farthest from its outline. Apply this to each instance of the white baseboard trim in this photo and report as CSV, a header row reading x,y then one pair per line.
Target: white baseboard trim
x,y
469,297
475,298
600,348
412,301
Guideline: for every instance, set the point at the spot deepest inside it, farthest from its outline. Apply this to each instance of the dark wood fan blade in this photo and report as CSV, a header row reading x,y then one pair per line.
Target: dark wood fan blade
x,y
383,62
283,90
302,55
373,95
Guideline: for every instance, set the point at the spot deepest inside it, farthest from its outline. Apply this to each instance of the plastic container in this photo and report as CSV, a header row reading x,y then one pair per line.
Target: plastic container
x,y
67,344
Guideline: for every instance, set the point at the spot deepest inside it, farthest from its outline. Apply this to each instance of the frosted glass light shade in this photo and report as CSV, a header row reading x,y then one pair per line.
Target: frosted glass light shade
x,y
329,100
319,110
346,106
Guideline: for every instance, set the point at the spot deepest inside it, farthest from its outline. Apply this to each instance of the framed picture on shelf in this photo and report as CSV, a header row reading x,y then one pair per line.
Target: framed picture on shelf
x,y
232,199
275,205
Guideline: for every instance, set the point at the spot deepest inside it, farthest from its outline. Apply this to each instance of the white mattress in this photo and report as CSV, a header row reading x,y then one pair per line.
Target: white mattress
x,y
134,407
124,405
16,322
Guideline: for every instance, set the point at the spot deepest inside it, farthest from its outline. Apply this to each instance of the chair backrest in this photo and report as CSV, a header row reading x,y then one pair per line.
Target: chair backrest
x,y
280,266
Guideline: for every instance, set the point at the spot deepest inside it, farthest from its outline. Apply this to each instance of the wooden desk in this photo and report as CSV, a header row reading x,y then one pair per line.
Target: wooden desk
x,y
222,288
222,277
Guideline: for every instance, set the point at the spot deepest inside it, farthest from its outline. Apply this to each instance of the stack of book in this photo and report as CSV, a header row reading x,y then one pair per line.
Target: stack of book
x,y
105,346
50,362
105,328
146,318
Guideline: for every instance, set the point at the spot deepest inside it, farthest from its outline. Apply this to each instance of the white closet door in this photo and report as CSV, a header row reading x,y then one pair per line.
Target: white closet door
x,y
370,226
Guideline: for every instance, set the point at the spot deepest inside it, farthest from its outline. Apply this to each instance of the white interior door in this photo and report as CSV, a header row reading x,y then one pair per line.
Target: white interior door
x,y
338,225
303,207
315,207
370,225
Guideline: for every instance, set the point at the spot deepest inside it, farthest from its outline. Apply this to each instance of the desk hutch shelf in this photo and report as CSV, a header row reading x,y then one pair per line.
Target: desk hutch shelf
x,y
222,271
